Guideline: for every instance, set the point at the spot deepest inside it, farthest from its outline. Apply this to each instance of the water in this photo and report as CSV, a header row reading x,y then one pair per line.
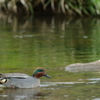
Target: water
x,y
55,90
51,43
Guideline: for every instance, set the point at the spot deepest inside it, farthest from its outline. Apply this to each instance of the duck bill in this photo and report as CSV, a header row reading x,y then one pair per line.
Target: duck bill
x,y
47,76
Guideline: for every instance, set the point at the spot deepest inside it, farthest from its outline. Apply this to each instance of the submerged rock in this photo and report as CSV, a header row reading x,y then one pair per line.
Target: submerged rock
x,y
91,66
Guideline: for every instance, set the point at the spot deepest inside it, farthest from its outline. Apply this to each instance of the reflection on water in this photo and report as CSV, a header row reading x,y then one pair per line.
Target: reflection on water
x,y
55,90
20,94
48,42
52,43
76,91
45,84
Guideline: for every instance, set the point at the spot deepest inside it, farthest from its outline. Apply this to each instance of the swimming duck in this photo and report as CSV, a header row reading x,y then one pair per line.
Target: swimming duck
x,y
2,79
20,80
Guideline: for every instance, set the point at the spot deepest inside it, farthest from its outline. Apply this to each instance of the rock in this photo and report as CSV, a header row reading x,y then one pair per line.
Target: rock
x,y
91,66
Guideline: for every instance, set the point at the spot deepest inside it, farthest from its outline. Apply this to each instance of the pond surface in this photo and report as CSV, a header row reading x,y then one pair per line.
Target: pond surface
x,y
51,43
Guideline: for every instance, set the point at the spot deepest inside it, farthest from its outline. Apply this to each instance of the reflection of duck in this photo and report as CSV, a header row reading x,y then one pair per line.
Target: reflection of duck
x,y
18,80
20,94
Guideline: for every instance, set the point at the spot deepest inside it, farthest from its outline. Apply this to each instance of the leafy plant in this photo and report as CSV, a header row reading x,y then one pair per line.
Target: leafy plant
x,y
80,7
11,5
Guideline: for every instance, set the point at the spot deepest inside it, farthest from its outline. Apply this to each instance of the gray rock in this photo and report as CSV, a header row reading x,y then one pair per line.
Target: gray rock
x,y
91,66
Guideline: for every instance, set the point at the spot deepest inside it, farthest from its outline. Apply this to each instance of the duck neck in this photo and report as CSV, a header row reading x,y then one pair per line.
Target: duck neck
x,y
37,76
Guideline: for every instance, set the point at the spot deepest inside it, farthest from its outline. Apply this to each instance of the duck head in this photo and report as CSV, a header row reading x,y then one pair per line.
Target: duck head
x,y
39,72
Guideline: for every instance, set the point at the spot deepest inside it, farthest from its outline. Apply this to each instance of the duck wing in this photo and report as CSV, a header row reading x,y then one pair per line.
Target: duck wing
x,y
15,75
20,82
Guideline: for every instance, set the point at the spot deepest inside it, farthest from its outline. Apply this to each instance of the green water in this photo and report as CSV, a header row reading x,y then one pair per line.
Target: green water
x,y
51,43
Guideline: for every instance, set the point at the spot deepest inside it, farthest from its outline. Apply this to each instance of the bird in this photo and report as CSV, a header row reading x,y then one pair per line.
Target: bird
x,y
20,80
2,79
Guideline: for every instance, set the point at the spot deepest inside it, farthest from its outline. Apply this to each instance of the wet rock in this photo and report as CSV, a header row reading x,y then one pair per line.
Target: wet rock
x,y
91,66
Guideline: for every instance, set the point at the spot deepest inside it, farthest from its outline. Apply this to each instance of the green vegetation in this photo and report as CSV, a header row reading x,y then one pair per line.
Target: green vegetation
x,y
70,7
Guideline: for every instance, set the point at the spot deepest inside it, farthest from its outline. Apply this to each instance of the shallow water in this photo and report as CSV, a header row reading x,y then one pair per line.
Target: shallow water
x,y
51,43
55,90
74,91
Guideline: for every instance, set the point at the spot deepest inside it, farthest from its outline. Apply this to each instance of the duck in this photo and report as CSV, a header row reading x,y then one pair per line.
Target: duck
x,y
21,80
2,79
